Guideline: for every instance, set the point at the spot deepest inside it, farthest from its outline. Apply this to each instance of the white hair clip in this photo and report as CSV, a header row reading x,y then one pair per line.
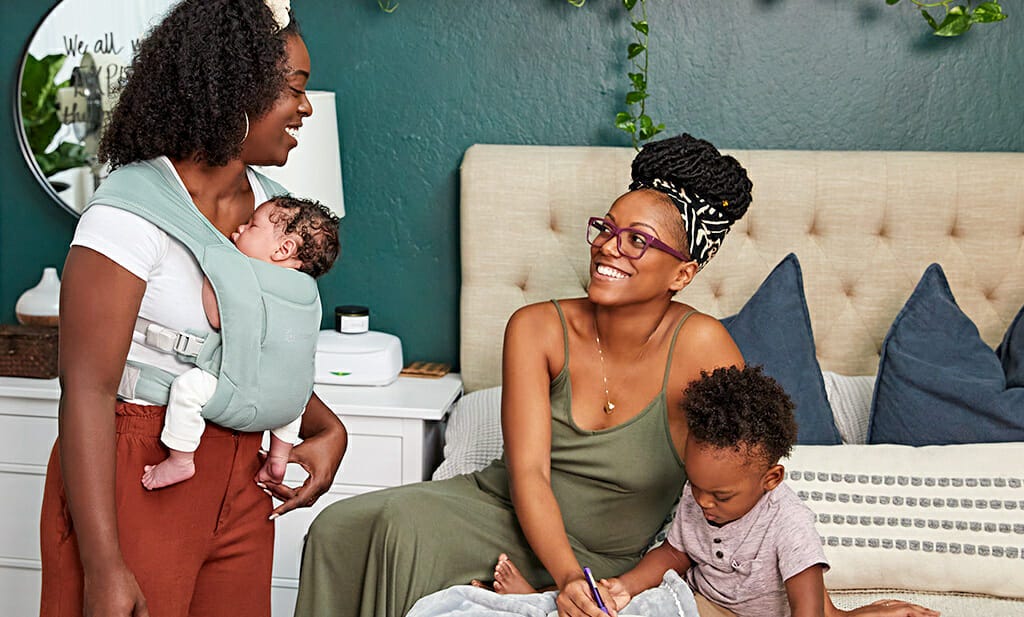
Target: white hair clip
x,y
280,10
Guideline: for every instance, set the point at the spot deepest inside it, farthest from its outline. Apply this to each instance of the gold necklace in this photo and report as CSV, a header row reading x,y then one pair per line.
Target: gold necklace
x,y
609,406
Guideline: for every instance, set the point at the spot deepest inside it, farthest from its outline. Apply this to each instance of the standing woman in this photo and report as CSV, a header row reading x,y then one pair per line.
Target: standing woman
x,y
218,85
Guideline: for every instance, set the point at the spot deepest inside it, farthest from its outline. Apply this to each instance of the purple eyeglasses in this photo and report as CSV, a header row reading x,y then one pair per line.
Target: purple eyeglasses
x,y
600,231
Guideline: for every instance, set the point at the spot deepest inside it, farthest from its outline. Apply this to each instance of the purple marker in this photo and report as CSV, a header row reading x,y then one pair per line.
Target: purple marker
x,y
593,590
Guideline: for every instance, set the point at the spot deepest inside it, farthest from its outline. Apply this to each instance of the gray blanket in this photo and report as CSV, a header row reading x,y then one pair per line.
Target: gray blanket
x,y
672,598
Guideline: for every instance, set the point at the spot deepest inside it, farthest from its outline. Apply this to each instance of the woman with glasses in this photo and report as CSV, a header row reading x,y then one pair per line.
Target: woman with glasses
x,y
590,400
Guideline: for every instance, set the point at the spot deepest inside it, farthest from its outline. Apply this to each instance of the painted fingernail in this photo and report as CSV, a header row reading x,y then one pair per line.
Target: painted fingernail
x,y
261,485
274,516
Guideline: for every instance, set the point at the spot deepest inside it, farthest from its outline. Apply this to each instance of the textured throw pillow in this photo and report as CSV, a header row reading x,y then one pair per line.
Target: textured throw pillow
x,y
934,518
850,399
773,329
472,438
938,382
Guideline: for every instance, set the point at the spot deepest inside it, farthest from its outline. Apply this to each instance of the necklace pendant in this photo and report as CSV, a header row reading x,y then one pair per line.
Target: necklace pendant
x,y
609,407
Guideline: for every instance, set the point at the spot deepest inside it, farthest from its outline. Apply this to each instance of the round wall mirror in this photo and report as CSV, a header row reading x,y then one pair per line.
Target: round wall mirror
x,y
71,72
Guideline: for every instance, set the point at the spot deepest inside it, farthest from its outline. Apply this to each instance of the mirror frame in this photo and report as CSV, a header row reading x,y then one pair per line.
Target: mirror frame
x,y
125,32
19,128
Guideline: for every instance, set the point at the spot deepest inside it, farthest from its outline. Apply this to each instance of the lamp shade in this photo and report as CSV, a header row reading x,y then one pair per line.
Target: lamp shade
x,y
313,169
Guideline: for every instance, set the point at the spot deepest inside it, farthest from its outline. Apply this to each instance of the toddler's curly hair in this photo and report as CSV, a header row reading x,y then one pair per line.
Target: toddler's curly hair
x,y
741,409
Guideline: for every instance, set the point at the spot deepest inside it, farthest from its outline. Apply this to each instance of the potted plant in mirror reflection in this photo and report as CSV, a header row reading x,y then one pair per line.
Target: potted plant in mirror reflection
x,y
40,116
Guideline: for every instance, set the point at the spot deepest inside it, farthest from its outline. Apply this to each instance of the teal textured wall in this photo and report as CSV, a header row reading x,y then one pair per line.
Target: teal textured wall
x,y
417,87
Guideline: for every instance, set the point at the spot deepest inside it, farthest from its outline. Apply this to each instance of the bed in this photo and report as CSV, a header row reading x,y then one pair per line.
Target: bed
x,y
864,226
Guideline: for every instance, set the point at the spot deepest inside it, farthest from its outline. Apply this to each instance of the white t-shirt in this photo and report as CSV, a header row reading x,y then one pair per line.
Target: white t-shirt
x,y
174,281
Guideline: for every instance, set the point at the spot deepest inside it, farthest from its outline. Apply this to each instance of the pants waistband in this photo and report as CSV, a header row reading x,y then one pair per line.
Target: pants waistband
x,y
148,421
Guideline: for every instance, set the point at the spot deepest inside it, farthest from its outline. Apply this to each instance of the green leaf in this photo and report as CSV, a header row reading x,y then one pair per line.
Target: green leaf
x,y
624,121
577,3
639,81
635,49
640,26
67,156
891,2
634,97
988,12
931,20
646,122
955,23
629,4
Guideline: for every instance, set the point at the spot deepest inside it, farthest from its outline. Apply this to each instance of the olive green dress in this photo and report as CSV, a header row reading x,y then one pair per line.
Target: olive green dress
x,y
376,554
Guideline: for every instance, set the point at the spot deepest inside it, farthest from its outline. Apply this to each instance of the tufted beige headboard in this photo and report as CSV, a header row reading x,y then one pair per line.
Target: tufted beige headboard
x,y
863,224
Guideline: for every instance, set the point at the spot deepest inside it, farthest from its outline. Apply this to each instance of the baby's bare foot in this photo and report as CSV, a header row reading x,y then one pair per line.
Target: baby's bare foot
x,y
508,578
171,471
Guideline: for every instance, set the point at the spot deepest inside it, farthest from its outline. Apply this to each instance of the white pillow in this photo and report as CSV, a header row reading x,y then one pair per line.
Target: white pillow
x,y
850,399
932,518
472,438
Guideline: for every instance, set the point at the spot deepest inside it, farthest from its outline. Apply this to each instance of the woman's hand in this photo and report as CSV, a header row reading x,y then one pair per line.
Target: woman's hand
x,y
576,600
883,608
114,593
324,443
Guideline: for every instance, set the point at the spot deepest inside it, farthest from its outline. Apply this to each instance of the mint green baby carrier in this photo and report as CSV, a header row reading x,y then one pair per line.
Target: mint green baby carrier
x,y
270,315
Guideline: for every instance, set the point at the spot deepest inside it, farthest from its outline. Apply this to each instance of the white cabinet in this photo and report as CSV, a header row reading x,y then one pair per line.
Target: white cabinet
x,y
394,432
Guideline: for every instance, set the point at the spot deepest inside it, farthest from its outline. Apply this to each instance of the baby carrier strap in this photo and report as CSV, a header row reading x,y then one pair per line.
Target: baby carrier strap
x,y
270,316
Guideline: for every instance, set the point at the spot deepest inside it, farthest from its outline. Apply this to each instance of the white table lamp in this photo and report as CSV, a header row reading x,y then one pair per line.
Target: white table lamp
x,y
313,169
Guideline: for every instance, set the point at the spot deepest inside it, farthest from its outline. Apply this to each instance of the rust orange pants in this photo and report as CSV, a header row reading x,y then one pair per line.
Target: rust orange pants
x,y
201,548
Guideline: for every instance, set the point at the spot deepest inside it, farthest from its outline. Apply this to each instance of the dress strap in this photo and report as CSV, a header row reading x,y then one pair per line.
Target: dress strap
x,y
672,347
565,331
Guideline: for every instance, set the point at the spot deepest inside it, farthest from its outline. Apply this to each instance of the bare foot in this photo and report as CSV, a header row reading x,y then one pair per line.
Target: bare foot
x,y
273,470
508,578
171,471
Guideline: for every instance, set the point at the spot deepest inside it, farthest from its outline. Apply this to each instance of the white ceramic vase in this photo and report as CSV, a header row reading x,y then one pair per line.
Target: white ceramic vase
x,y
38,306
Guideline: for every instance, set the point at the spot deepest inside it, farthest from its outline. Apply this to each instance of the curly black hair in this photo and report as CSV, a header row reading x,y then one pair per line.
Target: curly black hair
x,y
696,165
316,225
742,409
193,80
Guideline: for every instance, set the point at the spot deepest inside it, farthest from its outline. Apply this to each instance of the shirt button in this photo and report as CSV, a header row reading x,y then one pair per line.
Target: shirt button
x,y
719,554
718,540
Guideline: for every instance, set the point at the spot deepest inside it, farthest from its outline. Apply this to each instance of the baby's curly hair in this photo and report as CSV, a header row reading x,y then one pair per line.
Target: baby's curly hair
x,y
742,409
195,77
315,225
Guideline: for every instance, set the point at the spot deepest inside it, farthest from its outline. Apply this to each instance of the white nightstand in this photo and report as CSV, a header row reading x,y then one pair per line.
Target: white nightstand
x,y
395,437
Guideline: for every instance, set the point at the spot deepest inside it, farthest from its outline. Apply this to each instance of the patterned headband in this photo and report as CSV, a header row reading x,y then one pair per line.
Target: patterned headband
x,y
706,225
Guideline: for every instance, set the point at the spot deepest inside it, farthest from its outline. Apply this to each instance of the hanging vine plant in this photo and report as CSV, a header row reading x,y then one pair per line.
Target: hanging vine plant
x,y
635,119
959,18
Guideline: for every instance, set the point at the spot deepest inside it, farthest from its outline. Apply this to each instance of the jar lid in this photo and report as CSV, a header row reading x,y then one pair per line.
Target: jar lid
x,y
351,310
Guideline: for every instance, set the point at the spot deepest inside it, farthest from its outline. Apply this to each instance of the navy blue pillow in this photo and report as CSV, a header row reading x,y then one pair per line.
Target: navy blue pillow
x,y
773,329
938,382
1011,352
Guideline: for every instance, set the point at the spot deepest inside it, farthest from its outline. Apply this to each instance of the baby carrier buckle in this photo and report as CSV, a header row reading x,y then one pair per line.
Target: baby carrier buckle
x,y
173,341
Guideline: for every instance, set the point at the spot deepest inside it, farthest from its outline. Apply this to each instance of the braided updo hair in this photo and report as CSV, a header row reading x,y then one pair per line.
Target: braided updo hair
x,y
710,191
696,165
197,77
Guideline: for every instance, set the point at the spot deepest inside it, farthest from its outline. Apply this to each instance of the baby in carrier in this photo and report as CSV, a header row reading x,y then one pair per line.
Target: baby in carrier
x,y
284,231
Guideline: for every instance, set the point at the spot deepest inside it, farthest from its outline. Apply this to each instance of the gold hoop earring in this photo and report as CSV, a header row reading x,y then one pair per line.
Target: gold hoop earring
x,y
246,116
